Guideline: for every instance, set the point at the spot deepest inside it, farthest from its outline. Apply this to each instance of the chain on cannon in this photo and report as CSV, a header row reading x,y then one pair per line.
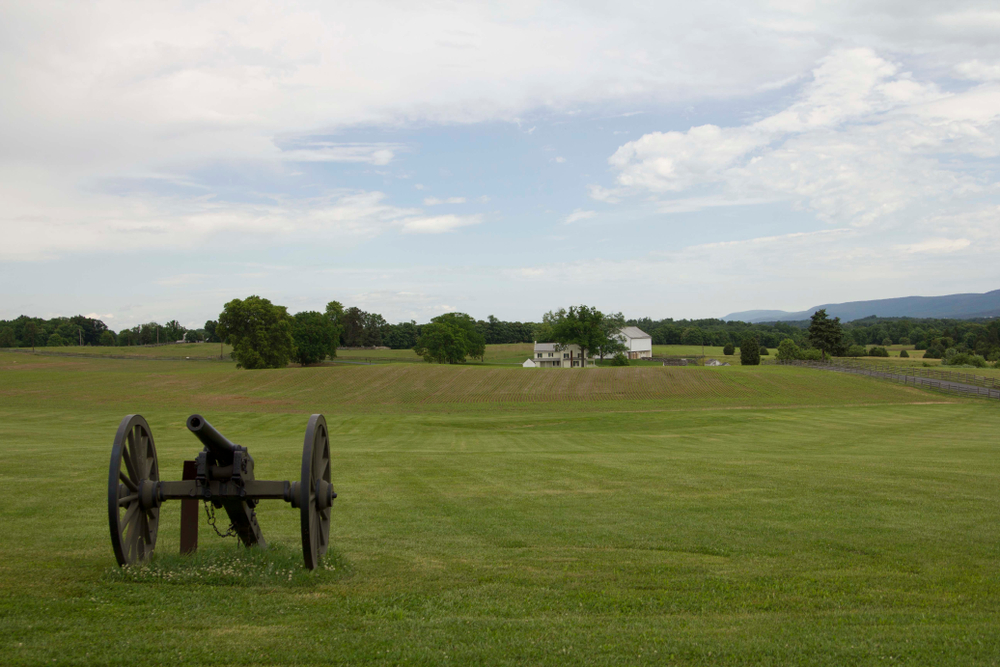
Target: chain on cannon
x,y
222,476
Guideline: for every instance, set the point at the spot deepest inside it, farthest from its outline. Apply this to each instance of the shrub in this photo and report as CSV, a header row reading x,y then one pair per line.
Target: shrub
x,y
619,359
788,350
55,340
856,351
811,354
729,349
886,342
750,350
934,353
903,354
904,341
763,351
962,359
878,352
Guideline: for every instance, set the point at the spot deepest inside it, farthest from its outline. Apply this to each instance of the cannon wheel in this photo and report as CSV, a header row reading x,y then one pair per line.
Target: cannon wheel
x,y
316,492
133,526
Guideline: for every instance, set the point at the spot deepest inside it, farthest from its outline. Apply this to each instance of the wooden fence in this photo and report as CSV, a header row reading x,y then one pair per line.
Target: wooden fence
x,y
966,384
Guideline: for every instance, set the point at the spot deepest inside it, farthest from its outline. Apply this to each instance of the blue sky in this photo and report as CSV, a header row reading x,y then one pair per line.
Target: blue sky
x,y
412,159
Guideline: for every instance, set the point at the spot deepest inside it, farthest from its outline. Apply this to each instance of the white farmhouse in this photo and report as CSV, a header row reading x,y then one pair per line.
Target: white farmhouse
x,y
638,343
554,355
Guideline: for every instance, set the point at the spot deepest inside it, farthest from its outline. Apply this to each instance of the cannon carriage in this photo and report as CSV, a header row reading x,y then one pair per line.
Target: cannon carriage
x,y
222,476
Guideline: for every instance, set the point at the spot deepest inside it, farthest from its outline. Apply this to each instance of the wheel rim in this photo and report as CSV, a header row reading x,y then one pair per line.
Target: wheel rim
x,y
315,502
133,511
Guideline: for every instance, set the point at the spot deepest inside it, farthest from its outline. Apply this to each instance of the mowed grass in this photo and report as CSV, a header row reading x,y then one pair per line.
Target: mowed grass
x,y
637,516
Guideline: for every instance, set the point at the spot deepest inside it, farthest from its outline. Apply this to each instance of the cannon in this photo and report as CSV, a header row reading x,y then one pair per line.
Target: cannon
x,y
222,476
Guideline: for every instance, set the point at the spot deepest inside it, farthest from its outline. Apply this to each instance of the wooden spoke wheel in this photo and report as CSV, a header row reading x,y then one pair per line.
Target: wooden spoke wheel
x,y
133,505
315,492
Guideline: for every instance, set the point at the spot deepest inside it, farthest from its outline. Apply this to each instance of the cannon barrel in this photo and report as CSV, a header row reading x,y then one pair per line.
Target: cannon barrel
x,y
219,445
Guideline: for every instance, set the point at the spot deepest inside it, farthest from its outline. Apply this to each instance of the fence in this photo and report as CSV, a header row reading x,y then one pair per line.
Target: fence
x,y
949,381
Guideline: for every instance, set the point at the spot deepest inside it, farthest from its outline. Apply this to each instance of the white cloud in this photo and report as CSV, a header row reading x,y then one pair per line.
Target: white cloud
x,y
579,214
374,154
439,224
559,160
975,70
935,246
434,201
99,222
184,279
98,316
863,142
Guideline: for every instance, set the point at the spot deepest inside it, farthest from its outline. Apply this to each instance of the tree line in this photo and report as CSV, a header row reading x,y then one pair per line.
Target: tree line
x,y
80,330
355,327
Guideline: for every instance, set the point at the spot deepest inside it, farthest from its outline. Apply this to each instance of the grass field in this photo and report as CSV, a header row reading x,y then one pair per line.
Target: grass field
x,y
506,516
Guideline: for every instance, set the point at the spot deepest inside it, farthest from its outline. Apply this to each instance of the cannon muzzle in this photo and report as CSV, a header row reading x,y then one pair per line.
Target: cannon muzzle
x,y
216,443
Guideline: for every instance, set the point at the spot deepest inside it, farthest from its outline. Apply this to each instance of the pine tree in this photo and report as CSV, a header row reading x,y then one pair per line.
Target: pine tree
x,y
825,334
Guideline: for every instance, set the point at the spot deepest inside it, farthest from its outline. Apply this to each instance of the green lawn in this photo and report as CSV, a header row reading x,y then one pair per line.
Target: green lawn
x,y
508,516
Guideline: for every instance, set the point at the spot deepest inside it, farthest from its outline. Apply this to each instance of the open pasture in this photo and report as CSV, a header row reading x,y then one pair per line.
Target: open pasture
x,y
509,516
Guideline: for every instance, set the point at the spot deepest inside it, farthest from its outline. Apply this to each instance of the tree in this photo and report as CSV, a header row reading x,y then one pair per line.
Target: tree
x,y
259,332
30,333
334,313
7,337
474,341
443,343
825,334
903,354
210,335
107,339
172,332
612,342
314,335
192,336
692,336
763,351
585,326
371,330
730,349
750,350
55,340
353,322
542,333
886,342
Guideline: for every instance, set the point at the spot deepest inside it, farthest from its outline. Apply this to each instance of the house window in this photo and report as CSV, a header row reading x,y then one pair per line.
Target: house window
x,y
550,354
565,355
575,364
539,355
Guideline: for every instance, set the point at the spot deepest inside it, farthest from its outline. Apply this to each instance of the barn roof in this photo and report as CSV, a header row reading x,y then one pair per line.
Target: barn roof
x,y
634,332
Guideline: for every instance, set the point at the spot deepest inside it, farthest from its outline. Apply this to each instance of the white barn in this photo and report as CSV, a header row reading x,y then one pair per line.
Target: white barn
x,y
638,343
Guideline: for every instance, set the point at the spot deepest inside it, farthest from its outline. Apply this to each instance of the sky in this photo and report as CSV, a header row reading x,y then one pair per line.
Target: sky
x,y
412,158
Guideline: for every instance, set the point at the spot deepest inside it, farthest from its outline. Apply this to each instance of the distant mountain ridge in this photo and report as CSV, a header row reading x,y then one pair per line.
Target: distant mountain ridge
x,y
951,306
